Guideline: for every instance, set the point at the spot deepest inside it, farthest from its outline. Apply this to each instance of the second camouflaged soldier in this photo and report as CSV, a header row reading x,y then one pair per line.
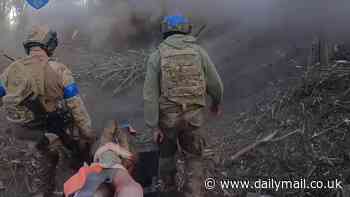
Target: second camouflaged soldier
x,y
42,99
179,76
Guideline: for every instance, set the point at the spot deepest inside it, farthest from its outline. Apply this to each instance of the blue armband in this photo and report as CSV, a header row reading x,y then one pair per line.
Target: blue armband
x,y
2,89
70,91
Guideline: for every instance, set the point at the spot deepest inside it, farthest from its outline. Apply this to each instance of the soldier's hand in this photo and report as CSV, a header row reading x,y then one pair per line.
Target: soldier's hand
x,y
158,136
216,110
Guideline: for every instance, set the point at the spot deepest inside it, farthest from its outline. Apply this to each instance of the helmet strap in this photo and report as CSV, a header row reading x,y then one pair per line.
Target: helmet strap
x,y
170,33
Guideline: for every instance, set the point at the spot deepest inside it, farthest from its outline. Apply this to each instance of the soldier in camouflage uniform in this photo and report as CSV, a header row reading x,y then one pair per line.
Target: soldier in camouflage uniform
x,y
179,76
34,88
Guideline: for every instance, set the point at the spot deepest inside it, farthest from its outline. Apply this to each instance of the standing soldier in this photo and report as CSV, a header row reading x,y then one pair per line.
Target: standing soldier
x,y
179,76
40,95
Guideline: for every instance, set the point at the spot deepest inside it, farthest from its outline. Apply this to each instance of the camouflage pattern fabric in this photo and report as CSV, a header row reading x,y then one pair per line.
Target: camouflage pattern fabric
x,y
152,87
38,34
182,133
81,117
179,76
31,77
43,37
182,76
37,78
189,141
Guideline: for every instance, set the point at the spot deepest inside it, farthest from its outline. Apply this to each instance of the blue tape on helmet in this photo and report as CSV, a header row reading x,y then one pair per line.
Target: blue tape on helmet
x,y
174,21
2,91
70,91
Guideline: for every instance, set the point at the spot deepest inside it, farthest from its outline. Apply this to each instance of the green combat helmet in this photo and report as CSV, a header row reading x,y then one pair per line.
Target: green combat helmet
x,y
43,37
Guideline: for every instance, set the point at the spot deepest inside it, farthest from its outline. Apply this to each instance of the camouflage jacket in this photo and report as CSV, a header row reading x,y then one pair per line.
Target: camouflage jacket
x,y
51,82
152,85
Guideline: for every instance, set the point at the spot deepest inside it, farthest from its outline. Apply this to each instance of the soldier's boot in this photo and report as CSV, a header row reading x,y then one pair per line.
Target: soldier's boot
x,y
45,173
193,177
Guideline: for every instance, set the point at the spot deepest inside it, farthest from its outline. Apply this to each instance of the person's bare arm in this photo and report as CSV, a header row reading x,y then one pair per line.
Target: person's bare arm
x,y
125,185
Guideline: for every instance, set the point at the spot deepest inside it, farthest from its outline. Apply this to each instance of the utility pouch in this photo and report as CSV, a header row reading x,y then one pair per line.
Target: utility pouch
x,y
40,116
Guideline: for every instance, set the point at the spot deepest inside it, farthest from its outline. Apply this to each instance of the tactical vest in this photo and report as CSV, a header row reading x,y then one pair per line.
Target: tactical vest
x,y
182,76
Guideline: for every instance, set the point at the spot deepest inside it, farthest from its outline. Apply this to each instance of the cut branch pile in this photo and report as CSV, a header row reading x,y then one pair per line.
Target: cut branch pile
x,y
303,133
120,71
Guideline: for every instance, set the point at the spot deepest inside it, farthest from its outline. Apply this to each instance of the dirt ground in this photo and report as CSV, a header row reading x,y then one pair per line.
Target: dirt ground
x,y
250,76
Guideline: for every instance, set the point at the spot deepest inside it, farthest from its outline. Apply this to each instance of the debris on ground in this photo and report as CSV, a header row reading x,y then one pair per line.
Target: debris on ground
x,y
14,156
117,71
302,133
17,166
121,69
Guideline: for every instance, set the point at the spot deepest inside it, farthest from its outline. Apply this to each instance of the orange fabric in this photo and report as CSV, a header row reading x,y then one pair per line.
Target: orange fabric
x,y
77,182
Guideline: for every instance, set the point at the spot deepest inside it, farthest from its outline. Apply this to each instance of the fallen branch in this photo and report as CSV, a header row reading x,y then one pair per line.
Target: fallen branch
x,y
122,85
7,56
328,129
120,71
252,146
287,135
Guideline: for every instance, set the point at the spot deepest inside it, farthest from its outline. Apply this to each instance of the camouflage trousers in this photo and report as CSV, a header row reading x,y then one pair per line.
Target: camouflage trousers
x,y
42,164
189,141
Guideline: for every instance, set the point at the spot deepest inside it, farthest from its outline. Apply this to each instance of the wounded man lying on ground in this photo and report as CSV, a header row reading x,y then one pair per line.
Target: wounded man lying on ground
x,y
110,174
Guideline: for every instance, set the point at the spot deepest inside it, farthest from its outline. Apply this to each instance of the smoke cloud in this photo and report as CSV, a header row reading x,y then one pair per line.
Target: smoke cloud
x,y
121,22
243,37
235,28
